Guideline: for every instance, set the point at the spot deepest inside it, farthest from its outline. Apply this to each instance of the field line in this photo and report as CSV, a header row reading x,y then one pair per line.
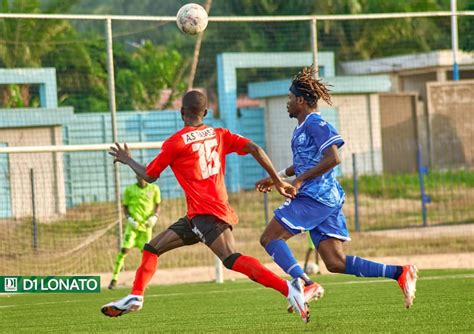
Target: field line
x,y
176,294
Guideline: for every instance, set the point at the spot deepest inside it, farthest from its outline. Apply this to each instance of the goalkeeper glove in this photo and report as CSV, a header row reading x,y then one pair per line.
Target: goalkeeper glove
x,y
151,221
132,222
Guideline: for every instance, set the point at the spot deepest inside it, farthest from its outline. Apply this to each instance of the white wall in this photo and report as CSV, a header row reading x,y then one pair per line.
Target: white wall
x,y
48,172
359,125
278,131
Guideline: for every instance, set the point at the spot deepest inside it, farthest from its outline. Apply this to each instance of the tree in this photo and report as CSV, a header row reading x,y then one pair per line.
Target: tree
x,y
80,60
143,74
25,43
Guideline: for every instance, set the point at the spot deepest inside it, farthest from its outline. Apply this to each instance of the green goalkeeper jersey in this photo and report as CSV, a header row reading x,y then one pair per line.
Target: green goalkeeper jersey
x,y
140,202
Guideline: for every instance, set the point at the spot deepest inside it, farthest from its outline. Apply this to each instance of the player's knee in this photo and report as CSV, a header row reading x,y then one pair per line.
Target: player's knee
x,y
230,260
264,240
149,248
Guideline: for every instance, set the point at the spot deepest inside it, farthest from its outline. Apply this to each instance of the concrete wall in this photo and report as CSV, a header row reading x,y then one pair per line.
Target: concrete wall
x,y
399,132
451,117
416,83
357,118
359,125
47,168
278,132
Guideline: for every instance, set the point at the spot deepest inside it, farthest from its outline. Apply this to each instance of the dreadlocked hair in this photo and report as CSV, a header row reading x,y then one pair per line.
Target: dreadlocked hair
x,y
313,88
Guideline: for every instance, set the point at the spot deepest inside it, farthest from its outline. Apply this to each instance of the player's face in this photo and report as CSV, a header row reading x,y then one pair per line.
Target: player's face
x,y
292,105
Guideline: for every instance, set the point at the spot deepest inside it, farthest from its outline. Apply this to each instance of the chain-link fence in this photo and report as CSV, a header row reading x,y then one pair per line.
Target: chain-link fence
x,y
407,160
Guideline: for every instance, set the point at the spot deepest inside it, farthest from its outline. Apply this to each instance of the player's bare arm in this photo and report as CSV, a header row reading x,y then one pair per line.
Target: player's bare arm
x,y
265,185
284,188
124,156
330,160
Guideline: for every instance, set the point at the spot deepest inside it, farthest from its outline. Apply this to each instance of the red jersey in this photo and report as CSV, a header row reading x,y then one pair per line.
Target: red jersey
x,y
196,156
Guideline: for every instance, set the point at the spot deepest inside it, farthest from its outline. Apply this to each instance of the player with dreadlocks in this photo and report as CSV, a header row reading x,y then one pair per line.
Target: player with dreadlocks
x,y
317,207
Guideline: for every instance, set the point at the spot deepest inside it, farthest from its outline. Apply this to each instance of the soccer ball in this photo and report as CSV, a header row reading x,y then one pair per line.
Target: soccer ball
x,y
312,268
191,19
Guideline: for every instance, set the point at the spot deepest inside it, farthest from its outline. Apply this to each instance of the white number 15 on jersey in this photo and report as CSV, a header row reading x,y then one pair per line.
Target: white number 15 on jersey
x,y
208,157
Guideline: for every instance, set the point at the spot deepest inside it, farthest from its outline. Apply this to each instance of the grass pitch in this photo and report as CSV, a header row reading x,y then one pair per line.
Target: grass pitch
x,y
444,304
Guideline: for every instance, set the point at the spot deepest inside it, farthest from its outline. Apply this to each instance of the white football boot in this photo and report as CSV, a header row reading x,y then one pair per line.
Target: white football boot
x,y
311,292
131,303
297,300
407,282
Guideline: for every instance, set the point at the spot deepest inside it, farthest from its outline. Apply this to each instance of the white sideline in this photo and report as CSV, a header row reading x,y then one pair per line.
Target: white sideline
x,y
174,294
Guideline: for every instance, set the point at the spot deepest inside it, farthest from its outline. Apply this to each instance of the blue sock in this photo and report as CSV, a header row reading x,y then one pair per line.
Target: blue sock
x,y
364,268
281,254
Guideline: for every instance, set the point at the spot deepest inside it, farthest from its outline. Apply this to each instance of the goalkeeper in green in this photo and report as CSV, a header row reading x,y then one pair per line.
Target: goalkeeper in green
x,y
141,204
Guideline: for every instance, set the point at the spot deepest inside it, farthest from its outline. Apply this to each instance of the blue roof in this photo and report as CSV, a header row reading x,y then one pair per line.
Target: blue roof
x,y
340,85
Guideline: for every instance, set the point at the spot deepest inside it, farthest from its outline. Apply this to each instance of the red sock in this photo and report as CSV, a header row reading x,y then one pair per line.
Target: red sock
x,y
144,272
257,272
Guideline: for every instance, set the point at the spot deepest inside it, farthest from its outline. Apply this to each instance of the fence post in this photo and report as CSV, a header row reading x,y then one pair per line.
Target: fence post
x,y
314,44
454,39
356,193
219,270
33,207
422,171
265,207
113,109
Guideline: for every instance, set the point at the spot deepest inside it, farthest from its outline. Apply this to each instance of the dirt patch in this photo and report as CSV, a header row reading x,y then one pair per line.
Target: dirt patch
x,y
207,274
426,232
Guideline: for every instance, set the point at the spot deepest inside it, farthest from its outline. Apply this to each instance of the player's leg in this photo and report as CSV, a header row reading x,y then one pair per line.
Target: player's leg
x,y
293,217
273,239
168,239
311,248
128,242
177,235
119,261
218,236
224,248
332,253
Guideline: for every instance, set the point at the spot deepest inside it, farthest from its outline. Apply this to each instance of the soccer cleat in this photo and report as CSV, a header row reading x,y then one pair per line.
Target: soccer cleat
x,y
311,292
131,303
297,300
407,282
112,284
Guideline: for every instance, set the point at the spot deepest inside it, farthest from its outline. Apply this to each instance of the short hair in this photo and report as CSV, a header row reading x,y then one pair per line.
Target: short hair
x,y
194,103
310,88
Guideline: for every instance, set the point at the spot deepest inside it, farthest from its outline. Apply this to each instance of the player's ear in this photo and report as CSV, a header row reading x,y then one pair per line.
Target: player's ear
x,y
205,113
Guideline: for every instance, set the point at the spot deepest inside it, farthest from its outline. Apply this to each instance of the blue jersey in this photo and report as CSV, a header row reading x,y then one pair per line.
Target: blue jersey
x,y
309,142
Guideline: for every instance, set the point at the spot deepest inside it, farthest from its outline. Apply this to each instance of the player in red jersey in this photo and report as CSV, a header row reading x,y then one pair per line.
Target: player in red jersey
x,y
196,155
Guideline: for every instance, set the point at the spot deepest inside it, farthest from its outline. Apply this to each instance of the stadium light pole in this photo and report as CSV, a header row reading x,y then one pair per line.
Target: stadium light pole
x,y
454,39
113,109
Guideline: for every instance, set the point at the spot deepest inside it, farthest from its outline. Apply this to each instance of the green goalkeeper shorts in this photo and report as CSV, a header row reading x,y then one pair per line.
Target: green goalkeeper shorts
x,y
133,238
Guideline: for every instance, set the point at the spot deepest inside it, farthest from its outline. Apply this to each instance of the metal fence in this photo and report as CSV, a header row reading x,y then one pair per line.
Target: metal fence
x,y
407,162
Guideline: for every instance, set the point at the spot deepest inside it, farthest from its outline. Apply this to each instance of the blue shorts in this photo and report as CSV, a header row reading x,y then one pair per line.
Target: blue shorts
x,y
306,214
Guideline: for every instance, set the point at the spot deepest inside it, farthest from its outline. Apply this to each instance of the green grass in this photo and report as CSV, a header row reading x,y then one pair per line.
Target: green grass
x,y
444,304
408,186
